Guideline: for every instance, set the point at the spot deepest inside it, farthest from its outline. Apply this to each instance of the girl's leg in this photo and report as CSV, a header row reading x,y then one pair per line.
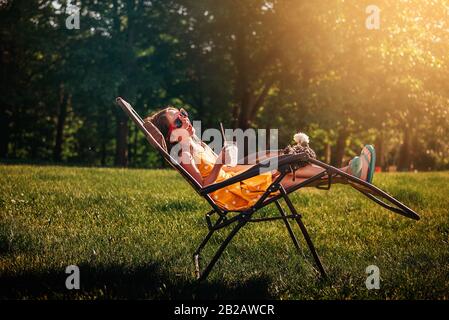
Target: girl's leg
x,y
312,170
305,173
309,171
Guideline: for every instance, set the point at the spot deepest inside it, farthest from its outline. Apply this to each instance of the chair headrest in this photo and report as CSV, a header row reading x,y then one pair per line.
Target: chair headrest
x,y
155,133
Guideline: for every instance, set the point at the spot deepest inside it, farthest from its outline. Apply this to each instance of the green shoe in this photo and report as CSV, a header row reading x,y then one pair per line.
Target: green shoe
x,y
355,167
372,163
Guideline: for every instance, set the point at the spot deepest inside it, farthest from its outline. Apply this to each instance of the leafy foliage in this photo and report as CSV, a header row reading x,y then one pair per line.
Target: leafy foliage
x,y
289,65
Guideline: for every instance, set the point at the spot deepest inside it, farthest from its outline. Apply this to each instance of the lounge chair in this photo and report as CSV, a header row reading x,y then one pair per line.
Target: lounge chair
x,y
218,218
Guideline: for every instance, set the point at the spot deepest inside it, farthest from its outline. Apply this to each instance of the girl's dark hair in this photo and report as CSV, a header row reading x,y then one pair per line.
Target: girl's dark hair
x,y
159,120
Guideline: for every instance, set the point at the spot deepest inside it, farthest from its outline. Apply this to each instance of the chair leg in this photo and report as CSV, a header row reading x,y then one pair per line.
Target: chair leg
x,y
220,250
196,254
289,228
311,247
305,234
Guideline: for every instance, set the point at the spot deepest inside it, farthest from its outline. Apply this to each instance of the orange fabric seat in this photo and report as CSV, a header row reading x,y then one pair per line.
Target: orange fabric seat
x,y
237,196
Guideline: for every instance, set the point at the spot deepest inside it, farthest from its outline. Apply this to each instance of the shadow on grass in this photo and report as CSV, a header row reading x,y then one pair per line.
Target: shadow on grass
x,y
116,282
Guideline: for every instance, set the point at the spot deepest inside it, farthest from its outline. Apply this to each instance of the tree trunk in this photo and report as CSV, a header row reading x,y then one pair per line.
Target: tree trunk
x,y
121,149
136,141
6,114
14,147
242,83
104,139
122,129
328,152
4,134
379,145
62,114
130,147
132,154
413,147
404,152
337,159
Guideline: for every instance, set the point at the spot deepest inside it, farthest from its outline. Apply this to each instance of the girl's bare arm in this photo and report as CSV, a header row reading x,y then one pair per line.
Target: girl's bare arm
x,y
188,163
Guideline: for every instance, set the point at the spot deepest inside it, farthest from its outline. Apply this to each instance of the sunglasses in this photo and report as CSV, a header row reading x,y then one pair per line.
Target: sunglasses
x,y
178,122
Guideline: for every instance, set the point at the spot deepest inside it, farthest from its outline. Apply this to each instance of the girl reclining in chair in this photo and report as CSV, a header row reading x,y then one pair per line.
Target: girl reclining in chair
x,y
199,160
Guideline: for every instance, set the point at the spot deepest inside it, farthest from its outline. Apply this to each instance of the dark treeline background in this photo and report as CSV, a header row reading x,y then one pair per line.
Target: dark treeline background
x,y
292,65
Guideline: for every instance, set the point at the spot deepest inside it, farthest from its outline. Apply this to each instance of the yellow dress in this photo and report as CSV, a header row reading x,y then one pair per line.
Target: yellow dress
x,y
238,196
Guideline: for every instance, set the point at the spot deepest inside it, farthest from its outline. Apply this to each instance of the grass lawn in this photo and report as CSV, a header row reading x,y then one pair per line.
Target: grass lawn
x,y
132,233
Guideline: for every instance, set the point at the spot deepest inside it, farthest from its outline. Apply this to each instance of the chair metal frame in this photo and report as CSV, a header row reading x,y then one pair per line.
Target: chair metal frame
x,y
238,219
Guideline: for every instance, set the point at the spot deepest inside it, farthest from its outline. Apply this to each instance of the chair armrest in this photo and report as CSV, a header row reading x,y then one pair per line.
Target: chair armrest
x,y
255,158
283,162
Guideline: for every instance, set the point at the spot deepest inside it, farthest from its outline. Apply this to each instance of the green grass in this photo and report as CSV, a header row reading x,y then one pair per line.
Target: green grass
x,y
132,233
